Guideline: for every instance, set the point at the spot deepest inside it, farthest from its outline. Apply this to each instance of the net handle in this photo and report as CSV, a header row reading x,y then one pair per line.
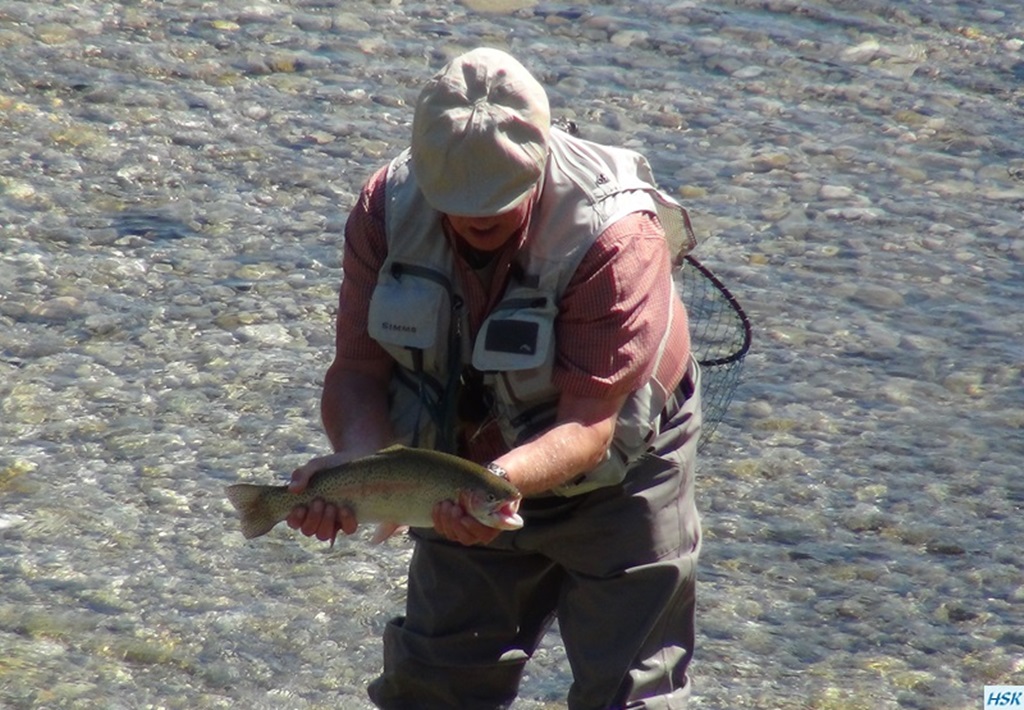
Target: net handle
x,y
736,307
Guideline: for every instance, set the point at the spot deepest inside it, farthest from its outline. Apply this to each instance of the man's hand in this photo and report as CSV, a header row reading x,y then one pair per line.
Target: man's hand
x,y
319,518
452,522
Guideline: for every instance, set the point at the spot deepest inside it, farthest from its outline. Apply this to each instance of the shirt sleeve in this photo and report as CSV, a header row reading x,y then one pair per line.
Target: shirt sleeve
x,y
615,311
364,253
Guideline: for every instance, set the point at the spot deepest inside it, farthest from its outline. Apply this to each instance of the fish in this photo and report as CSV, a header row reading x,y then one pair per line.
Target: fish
x,y
396,487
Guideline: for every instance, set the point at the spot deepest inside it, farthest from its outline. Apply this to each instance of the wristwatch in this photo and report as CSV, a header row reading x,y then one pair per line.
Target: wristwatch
x,y
497,470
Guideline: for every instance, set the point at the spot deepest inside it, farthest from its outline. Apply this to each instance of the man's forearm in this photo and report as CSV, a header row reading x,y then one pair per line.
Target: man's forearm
x,y
576,444
354,407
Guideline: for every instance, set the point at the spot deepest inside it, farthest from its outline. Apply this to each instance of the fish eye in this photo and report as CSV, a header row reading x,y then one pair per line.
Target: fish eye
x,y
491,498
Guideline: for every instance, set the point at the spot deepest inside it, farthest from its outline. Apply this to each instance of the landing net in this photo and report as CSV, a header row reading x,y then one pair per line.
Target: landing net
x,y
719,338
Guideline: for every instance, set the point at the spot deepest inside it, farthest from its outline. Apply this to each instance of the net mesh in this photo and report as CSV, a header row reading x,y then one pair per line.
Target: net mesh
x,y
719,335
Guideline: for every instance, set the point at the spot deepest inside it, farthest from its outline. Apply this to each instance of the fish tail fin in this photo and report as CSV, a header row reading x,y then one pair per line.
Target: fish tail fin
x,y
255,515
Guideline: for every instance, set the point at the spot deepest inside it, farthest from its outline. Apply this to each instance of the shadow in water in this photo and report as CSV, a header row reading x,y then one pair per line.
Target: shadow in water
x,y
157,224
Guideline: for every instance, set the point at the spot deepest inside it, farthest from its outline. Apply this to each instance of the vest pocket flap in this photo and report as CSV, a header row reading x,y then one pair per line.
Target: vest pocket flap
x,y
514,339
405,313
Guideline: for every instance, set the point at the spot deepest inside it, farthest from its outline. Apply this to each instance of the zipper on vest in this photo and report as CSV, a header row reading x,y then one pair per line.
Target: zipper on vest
x,y
534,420
438,397
519,304
446,433
400,269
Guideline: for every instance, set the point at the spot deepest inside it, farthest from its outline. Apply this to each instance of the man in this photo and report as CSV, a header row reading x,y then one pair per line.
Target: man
x,y
507,295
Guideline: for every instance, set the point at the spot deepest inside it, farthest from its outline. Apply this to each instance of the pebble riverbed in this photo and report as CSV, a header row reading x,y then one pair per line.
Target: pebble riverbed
x,y
174,180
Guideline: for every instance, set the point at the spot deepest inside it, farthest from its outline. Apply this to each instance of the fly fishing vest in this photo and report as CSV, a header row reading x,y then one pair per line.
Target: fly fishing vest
x,y
416,313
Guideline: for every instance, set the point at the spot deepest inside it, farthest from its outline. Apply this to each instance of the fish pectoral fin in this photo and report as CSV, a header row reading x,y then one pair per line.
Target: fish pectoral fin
x,y
386,530
394,448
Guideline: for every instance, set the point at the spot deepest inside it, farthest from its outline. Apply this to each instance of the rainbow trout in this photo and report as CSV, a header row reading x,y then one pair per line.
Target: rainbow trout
x,y
395,487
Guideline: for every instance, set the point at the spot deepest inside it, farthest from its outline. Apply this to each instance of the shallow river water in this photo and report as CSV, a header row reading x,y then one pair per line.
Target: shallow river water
x,y
174,179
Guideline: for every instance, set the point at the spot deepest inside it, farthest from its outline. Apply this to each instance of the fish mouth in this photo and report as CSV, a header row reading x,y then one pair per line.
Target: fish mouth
x,y
498,512
507,515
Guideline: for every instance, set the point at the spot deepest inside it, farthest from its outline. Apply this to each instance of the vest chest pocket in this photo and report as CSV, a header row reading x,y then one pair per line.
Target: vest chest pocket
x,y
411,310
518,335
